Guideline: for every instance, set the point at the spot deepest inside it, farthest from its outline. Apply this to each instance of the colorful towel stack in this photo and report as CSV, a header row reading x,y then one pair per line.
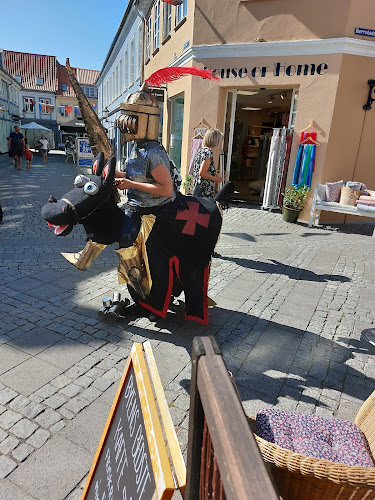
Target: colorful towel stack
x,y
367,203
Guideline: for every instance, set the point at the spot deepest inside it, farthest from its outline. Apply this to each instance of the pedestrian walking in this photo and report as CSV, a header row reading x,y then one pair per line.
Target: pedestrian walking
x,y
28,156
45,148
16,147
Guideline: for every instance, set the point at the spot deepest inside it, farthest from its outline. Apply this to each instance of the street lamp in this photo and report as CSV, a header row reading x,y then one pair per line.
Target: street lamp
x,y
370,98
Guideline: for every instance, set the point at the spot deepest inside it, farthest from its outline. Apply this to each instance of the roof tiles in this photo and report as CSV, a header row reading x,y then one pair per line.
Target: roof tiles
x,y
33,66
30,67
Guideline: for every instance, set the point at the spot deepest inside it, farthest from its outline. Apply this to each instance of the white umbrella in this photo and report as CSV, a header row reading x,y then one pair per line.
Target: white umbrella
x,y
34,126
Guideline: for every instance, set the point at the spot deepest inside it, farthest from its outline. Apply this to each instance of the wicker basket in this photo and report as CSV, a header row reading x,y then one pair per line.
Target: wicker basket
x,y
299,477
349,196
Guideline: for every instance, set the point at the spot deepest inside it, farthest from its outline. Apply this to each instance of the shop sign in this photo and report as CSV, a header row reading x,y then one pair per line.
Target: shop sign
x,y
278,69
364,32
84,153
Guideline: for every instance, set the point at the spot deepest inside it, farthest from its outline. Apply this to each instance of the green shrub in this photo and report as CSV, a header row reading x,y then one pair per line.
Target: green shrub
x,y
295,197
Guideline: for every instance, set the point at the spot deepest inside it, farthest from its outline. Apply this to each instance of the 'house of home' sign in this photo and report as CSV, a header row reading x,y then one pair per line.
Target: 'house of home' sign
x,y
278,69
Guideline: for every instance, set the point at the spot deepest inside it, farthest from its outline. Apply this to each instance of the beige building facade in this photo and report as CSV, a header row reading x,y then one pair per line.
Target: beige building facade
x,y
280,63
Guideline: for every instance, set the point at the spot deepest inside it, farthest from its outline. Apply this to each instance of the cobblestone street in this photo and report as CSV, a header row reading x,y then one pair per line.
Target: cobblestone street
x,y
292,303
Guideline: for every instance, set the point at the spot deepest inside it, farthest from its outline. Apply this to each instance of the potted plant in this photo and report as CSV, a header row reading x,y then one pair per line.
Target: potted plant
x,y
294,202
188,184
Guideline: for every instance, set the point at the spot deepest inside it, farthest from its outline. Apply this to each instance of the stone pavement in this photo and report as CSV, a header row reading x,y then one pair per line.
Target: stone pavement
x,y
292,304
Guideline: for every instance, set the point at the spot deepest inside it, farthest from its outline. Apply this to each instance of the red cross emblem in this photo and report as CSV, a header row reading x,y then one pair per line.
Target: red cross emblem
x,y
192,217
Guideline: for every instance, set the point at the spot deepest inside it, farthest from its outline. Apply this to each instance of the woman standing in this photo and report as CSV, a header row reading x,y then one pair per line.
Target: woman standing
x,y
45,148
204,171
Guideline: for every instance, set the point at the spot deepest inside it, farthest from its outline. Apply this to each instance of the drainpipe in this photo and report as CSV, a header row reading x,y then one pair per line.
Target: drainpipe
x,y
143,44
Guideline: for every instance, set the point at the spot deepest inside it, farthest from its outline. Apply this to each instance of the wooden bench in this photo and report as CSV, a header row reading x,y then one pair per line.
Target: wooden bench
x,y
319,203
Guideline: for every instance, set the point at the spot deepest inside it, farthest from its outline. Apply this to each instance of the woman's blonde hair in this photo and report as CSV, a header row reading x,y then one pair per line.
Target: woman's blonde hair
x,y
212,138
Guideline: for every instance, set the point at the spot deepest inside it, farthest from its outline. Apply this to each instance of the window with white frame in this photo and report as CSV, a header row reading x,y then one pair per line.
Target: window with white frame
x,y
140,45
148,38
39,81
64,87
181,11
28,105
131,62
90,91
121,81
45,103
167,19
117,83
126,69
156,24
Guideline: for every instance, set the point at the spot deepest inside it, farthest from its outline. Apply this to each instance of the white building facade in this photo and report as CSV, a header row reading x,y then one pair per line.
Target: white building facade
x,y
38,106
121,73
10,112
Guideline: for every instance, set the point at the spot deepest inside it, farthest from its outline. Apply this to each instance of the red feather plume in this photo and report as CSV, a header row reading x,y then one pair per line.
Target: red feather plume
x,y
173,73
174,2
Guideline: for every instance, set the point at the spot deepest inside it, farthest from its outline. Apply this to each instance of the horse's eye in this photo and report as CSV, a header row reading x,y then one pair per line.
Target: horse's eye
x,y
91,188
80,180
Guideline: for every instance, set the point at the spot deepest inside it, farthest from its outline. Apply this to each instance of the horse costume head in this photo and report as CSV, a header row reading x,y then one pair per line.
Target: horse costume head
x,y
92,202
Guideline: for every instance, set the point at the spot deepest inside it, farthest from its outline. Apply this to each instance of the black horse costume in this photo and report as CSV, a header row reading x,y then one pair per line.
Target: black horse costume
x,y
173,250
179,245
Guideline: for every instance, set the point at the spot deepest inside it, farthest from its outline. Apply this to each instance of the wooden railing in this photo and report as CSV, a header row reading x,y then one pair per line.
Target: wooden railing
x,y
223,459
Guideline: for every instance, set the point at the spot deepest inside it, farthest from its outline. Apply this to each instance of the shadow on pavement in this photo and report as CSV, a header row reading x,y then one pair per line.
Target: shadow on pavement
x,y
242,236
276,267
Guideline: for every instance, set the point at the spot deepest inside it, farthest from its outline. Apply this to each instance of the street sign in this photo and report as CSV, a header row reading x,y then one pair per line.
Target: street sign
x,y
132,461
364,32
84,154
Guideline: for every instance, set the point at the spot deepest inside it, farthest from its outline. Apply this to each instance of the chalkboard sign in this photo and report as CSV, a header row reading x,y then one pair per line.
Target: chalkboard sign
x,y
131,462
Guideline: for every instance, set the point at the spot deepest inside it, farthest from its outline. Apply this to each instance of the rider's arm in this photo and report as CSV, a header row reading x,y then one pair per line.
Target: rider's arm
x,y
162,187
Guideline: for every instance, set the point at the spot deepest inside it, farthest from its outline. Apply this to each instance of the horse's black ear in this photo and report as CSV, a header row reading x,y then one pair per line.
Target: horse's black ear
x,y
97,166
108,173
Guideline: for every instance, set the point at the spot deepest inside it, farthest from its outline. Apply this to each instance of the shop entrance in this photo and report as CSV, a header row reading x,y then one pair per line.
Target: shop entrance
x,y
251,117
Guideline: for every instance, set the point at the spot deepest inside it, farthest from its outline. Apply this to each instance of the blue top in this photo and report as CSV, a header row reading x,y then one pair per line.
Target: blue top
x,y
144,157
16,139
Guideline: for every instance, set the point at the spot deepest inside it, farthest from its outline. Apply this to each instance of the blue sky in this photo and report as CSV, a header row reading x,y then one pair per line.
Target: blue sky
x,y
79,29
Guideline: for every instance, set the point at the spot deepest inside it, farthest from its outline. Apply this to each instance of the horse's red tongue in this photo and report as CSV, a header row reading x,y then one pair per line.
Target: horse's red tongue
x,y
58,229
61,229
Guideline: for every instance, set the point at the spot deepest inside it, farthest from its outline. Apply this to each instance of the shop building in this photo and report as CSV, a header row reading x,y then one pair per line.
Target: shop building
x,y
282,65
10,114
69,120
37,75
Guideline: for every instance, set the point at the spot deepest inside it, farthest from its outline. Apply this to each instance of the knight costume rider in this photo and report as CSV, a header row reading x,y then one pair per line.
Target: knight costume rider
x,y
161,239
